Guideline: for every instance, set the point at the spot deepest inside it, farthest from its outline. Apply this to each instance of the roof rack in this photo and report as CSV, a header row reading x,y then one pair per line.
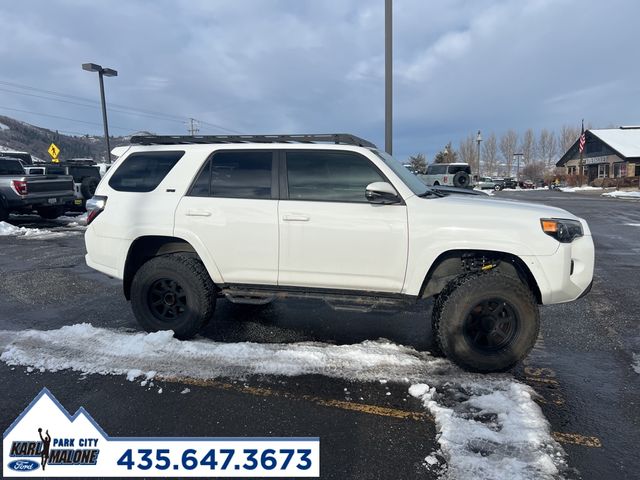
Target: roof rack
x,y
337,138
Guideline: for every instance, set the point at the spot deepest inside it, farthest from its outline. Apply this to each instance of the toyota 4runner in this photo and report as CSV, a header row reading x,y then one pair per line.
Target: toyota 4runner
x,y
186,220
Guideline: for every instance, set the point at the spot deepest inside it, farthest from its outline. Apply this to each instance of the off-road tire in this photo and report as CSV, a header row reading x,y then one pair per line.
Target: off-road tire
x,y
88,187
51,213
190,275
497,188
453,313
461,180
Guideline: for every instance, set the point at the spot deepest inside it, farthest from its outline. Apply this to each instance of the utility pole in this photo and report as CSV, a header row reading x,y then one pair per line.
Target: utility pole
x,y
479,139
193,127
388,77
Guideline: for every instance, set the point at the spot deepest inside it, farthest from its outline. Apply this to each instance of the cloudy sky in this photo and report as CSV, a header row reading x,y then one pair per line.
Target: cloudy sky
x,y
287,66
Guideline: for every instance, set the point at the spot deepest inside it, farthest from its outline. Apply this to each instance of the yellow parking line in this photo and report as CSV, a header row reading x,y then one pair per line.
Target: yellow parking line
x,y
325,402
562,437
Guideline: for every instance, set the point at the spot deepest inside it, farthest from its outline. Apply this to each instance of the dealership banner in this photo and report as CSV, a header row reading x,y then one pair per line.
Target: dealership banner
x,y
45,441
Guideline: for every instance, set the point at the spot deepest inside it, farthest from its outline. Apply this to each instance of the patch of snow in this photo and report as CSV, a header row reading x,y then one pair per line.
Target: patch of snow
x,y
621,194
77,221
7,229
489,426
186,390
586,188
636,362
431,460
4,127
492,434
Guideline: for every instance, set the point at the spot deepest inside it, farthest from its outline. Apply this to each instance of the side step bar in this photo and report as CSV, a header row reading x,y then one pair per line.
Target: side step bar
x,y
353,302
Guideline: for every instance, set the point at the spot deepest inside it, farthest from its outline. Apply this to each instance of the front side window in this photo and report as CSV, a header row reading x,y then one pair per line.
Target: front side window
x,y
329,176
235,174
11,167
143,172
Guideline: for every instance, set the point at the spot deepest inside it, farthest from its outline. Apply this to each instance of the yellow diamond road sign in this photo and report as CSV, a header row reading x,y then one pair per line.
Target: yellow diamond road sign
x,y
54,151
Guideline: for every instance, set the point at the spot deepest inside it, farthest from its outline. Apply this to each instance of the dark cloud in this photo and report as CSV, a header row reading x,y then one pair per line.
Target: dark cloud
x,y
295,66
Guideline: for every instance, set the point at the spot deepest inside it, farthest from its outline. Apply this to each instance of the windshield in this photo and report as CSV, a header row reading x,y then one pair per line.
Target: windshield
x,y
409,179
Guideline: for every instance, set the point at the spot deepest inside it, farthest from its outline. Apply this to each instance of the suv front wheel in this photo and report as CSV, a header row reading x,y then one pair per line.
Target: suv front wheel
x,y
486,322
173,292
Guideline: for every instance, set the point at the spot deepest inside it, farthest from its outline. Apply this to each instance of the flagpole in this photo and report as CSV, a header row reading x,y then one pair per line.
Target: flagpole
x,y
581,172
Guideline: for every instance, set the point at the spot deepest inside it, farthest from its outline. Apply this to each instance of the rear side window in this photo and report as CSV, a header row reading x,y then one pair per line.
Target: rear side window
x,y
11,167
453,169
236,174
436,169
143,172
330,176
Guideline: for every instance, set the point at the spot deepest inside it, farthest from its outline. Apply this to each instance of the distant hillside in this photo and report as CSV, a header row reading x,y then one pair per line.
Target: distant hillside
x,y
17,135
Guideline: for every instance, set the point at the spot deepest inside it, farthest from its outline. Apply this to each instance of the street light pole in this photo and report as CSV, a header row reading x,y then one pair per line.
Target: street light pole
x,y
102,72
517,157
479,139
388,77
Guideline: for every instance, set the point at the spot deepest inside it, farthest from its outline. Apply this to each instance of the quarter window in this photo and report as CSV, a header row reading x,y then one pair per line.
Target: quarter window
x,y
329,176
143,172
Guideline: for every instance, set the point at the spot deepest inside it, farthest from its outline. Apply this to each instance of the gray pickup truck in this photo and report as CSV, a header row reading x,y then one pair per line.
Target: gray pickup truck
x,y
22,193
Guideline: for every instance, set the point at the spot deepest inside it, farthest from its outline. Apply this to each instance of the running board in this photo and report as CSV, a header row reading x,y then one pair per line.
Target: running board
x,y
336,299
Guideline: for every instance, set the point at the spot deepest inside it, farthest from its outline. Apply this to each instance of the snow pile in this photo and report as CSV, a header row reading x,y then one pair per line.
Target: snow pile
x,y
586,188
4,127
524,189
6,229
489,426
489,432
619,194
636,362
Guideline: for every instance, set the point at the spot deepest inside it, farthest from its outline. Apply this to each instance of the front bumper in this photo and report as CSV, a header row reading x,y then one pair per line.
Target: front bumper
x,y
566,275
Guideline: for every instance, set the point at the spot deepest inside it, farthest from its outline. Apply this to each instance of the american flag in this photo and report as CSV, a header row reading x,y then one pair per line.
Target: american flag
x,y
583,139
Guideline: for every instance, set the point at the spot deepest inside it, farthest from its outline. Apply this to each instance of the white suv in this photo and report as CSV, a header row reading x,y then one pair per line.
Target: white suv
x,y
186,220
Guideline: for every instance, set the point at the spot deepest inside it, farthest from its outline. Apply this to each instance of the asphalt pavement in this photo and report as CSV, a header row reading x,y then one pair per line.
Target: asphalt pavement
x,y
581,366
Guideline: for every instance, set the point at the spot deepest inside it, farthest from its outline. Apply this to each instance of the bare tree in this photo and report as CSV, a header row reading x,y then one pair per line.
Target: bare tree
x,y
528,147
490,155
547,147
533,170
469,152
418,163
568,135
508,145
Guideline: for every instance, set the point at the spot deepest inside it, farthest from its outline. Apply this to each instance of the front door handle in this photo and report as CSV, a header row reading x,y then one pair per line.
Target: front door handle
x,y
294,217
198,213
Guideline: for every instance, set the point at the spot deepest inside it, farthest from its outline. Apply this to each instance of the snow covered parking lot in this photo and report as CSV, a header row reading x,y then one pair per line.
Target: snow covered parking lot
x,y
488,425
382,408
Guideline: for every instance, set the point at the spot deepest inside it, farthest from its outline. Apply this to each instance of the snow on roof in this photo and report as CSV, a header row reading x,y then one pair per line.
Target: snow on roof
x,y
624,140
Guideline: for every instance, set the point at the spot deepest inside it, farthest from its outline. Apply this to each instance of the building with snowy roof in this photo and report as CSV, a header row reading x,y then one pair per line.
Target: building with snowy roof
x,y
608,153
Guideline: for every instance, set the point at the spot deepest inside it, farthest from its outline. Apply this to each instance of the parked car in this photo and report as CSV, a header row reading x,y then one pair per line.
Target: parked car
x,y
451,174
86,177
24,157
527,184
183,221
484,183
506,182
23,193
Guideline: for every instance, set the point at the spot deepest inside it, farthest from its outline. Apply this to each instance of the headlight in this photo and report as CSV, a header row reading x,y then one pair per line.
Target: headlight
x,y
562,229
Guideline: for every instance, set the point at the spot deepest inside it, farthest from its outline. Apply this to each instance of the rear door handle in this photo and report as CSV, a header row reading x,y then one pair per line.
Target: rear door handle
x,y
198,213
294,217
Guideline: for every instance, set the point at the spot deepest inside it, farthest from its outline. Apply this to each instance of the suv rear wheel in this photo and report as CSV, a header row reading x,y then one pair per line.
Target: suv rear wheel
x,y
487,322
173,292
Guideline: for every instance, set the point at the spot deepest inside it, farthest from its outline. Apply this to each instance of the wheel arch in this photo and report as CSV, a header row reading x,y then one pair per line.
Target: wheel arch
x,y
453,263
144,248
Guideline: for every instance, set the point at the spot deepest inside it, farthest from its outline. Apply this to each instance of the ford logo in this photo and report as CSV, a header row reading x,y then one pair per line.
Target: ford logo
x,y
23,465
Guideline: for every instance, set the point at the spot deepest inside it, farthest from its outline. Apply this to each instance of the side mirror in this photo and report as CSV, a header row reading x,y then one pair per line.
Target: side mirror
x,y
381,193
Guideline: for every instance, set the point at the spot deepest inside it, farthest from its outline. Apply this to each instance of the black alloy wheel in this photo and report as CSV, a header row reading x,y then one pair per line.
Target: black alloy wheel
x,y
167,300
491,325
